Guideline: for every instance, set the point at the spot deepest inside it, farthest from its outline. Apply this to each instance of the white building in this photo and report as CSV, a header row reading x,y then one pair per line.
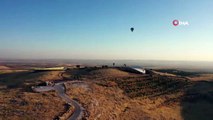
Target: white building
x,y
141,70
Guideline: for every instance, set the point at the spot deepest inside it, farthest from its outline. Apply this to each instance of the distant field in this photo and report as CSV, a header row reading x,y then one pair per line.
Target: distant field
x,y
49,69
178,72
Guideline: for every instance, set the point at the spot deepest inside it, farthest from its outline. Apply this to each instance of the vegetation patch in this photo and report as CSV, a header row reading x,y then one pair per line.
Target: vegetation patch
x,y
151,86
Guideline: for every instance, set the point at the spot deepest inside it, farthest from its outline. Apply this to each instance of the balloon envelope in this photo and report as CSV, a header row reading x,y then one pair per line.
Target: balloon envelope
x,y
132,29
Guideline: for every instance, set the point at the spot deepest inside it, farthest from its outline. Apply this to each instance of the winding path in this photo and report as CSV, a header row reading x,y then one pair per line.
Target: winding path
x,y
60,89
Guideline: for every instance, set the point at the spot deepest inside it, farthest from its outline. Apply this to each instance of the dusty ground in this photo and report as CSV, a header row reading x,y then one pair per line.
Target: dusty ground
x,y
18,102
202,77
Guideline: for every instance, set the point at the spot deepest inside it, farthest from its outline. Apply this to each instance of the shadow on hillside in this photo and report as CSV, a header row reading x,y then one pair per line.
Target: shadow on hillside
x,y
197,103
78,73
22,80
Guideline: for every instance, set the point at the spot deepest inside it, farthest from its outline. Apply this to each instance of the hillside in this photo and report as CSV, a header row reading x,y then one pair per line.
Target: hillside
x,y
107,93
19,102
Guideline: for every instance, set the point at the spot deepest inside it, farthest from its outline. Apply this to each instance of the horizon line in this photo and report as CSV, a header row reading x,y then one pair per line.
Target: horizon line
x,y
34,59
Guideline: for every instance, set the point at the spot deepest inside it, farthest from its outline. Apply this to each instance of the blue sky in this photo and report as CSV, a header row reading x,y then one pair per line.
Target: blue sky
x,y
100,29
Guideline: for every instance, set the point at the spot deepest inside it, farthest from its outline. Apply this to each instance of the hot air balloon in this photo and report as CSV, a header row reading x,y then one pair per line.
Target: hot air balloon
x,y
132,29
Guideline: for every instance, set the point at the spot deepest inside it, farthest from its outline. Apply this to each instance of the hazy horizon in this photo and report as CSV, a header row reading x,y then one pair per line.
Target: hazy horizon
x,y
99,29
199,66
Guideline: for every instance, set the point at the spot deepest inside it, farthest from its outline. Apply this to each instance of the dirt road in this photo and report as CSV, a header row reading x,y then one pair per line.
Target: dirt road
x,y
60,89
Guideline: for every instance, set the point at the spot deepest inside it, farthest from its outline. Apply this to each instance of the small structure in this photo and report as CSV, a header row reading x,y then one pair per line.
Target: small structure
x,y
141,70
104,66
48,83
50,69
136,70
